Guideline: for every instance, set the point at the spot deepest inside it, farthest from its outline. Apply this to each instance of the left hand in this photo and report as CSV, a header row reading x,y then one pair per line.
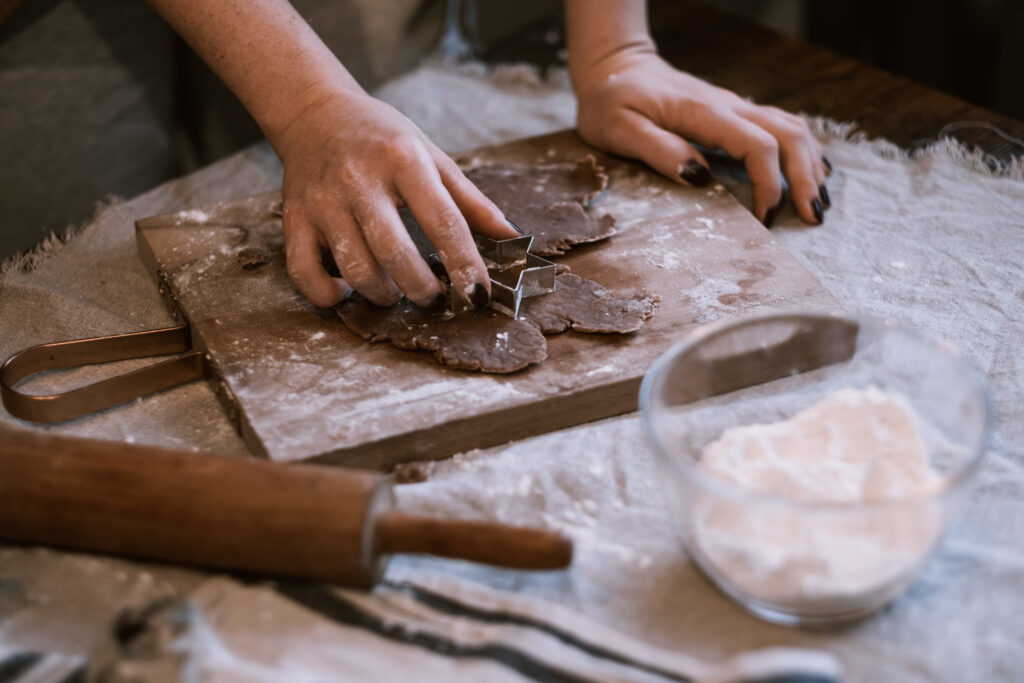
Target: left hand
x,y
634,104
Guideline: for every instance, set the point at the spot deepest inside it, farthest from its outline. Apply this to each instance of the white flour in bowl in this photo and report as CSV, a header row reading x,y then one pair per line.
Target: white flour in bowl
x,y
859,448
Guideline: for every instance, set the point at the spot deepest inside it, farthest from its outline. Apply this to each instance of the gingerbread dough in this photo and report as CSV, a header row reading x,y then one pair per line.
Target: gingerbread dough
x,y
490,341
548,202
483,340
586,306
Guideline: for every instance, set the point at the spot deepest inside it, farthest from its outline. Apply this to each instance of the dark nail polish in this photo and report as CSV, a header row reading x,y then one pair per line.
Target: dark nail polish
x,y
769,217
479,297
518,229
440,300
438,269
828,164
695,173
823,194
819,214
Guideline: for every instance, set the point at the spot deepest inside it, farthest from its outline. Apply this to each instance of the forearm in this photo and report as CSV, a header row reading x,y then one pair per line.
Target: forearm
x,y
599,29
265,52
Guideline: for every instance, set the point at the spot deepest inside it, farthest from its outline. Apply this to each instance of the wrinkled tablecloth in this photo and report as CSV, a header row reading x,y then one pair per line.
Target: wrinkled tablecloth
x,y
933,239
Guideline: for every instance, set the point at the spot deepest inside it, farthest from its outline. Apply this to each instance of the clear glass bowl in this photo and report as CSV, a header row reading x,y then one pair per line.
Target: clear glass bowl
x,y
808,562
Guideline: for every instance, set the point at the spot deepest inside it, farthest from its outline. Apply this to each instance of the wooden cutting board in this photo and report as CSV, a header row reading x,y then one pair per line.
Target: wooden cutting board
x,y
299,385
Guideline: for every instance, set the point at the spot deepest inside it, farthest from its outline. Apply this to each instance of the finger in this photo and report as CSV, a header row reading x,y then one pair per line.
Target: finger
x,y
740,139
822,166
482,215
795,159
755,147
302,255
390,243
420,186
798,154
818,164
356,262
638,137
814,160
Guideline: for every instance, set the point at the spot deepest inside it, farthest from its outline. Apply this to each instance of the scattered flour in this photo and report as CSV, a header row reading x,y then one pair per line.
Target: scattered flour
x,y
192,217
706,297
853,448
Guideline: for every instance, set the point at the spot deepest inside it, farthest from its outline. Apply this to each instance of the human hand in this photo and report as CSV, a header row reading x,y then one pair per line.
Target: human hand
x,y
634,104
349,162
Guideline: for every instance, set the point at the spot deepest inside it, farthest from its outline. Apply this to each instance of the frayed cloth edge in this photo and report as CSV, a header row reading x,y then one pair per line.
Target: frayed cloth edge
x,y
947,148
30,259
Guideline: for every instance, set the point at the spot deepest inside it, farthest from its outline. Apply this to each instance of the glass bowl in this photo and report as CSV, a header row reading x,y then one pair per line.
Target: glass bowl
x,y
842,530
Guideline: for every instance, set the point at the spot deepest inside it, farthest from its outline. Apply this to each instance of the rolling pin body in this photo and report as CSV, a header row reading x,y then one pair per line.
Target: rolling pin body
x,y
310,521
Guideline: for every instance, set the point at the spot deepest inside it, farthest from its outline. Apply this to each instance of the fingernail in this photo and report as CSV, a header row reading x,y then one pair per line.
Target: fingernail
x,y
825,198
828,164
695,173
479,297
518,229
438,269
346,291
819,215
769,217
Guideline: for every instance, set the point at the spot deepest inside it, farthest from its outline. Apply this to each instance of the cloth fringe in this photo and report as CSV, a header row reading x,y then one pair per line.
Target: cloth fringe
x,y
946,148
29,260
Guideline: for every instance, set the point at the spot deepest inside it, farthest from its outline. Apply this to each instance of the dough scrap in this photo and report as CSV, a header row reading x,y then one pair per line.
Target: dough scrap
x,y
586,306
548,201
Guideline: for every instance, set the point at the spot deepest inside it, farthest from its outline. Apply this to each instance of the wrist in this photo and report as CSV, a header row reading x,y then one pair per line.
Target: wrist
x,y
590,68
302,108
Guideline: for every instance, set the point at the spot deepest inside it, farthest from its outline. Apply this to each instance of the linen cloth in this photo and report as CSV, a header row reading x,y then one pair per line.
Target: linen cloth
x,y
934,240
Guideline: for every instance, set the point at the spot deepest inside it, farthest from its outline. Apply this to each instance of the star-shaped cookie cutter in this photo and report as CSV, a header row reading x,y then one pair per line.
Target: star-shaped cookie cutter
x,y
515,273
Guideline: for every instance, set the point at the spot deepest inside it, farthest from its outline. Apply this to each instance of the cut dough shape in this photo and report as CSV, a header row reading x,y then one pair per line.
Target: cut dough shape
x,y
484,339
490,341
548,201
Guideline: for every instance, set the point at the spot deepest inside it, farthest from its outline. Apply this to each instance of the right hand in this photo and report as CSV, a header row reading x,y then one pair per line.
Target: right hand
x,y
349,162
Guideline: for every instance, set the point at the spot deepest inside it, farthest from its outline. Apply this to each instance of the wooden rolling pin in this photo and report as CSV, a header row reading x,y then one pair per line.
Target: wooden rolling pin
x,y
309,521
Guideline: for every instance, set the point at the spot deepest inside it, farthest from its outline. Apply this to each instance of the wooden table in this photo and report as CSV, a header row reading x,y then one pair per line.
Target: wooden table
x,y
792,74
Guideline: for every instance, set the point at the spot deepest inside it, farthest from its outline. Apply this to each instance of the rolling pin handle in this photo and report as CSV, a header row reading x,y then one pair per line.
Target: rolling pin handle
x,y
490,543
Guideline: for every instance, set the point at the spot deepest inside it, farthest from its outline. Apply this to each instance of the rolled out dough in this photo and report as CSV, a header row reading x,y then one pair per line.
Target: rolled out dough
x,y
549,202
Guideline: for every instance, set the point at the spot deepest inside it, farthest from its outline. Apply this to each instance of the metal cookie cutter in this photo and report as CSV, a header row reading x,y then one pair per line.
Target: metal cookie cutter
x,y
515,273
108,392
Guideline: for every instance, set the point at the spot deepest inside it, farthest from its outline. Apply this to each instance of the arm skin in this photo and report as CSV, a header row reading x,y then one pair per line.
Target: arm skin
x,y
349,160
633,103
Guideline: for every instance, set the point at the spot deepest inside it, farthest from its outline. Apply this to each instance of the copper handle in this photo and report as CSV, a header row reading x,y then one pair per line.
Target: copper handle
x,y
108,392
